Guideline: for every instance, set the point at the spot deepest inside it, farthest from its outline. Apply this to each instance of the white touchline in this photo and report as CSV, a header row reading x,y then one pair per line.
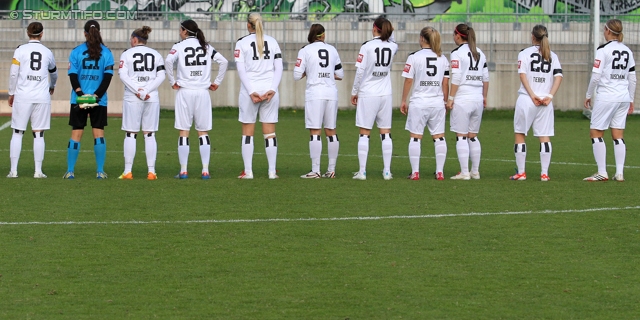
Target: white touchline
x,y
425,216
5,125
344,155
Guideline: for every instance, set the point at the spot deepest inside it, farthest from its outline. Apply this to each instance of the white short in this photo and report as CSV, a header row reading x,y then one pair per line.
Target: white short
x,y
193,106
605,115
249,111
418,118
38,113
140,114
374,109
320,114
466,116
527,114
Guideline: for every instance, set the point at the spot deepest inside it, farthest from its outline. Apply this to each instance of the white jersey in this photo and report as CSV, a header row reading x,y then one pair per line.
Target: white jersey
x,y
259,70
373,65
29,80
427,71
141,71
614,61
194,64
468,73
321,64
540,73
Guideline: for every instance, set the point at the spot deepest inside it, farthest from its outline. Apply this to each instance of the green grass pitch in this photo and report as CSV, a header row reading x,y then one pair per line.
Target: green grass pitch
x,y
320,249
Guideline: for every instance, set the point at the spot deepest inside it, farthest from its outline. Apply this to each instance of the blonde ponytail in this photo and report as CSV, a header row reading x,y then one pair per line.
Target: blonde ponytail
x,y
432,37
255,20
542,37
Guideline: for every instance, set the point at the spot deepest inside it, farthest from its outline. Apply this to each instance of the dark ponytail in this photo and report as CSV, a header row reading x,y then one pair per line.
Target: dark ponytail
x,y
192,29
315,32
384,27
94,40
467,34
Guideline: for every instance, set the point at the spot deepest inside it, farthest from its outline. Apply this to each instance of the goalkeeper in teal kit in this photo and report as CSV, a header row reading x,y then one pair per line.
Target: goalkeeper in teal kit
x,y
90,73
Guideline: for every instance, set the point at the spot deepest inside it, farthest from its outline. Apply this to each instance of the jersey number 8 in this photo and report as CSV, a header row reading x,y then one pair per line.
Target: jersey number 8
x,y
36,61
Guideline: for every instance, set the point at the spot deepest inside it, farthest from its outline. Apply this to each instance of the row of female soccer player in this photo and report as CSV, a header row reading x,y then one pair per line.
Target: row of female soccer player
x,y
432,84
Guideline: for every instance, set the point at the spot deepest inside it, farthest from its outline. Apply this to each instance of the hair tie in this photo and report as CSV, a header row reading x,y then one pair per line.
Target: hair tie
x,y
92,26
376,27
183,27
133,34
35,34
320,35
460,33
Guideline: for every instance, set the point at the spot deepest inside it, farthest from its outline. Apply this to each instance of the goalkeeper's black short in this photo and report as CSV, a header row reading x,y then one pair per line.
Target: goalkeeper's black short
x,y
78,116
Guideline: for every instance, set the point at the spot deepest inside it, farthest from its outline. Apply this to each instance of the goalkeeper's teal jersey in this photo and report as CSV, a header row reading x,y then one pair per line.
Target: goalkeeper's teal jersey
x,y
90,71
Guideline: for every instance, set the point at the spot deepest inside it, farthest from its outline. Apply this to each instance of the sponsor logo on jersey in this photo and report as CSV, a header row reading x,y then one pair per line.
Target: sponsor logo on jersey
x,y
173,51
455,64
15,61
236,53
519,64
360,57
121,64
596,64
298,62
407,68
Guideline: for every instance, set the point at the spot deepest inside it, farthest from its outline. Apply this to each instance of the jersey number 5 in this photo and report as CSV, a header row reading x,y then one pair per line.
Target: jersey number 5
x,y
432,66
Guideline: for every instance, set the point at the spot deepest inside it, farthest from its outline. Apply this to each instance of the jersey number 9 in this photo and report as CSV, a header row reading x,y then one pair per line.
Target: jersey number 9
x,y
324,55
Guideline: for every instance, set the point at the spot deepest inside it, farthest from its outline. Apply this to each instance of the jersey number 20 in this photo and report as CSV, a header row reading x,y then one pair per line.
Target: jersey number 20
x,y
143,62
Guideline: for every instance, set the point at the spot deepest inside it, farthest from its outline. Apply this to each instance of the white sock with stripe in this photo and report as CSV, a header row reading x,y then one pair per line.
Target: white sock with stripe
x,y
600,154
620,153
129,150
315,150
414,154
545,157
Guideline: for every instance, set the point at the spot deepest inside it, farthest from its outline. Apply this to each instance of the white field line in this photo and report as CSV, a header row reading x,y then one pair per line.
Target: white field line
x,y
426,216
348,155
5,125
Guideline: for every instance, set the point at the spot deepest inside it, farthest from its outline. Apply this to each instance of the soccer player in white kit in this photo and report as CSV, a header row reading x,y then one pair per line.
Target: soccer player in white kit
x,y
32,79
259,62
614,81
427,73
371,93
467,99
142,72
540,76
193,57
320,64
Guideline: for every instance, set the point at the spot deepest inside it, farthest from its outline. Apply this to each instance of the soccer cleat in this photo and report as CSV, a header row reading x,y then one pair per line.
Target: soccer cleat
x,y
439,176
152,176
39,175
206,176
461,176
597,177
311,175
475,175
414,176
69,175
273,176
359,175
519,176
182,175
618,177
12,174
126,176
246,175
387,175
544,177
101,175
329,174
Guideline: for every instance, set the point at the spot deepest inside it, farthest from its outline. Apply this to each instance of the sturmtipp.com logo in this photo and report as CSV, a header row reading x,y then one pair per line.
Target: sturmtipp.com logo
x,y
72,15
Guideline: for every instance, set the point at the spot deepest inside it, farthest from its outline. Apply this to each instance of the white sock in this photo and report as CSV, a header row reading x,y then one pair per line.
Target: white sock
x,y
333,145
414,154
620,152
247,153
129,150
271,149
387,150
363,152
15,149
520,150
545,157
474,154
183,153
440,145
151,149
38,150
600,154
462,148
205,151
315,149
